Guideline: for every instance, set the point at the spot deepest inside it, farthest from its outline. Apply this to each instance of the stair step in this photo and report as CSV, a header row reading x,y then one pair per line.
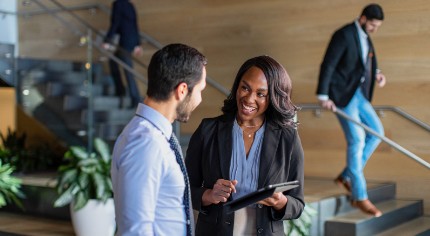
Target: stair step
x,y
68,77
113,116
56,89
100,102
395,212
333,201
419,226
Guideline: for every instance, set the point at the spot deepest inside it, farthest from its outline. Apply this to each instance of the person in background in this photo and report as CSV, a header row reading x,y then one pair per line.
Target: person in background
x,y
253,144
124,24
150,182
346,82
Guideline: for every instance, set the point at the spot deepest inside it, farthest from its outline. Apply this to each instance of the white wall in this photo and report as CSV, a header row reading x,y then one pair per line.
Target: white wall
x,y
9,23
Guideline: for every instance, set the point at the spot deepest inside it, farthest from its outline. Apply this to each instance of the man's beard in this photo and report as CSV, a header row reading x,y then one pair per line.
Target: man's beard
x,y
183,111
363,26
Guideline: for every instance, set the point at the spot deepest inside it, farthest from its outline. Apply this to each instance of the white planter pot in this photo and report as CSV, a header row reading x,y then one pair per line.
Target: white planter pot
x,y
94,219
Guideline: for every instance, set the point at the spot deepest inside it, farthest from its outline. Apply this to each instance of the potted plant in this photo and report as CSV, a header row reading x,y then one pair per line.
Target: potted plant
x,y
84,182
9,186
25,158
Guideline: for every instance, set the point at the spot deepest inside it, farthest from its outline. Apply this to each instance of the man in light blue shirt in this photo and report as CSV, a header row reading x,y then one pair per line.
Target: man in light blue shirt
x,y
150,184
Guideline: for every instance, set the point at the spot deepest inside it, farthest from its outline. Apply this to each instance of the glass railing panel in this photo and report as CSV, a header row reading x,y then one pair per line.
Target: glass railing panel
x,y
53,73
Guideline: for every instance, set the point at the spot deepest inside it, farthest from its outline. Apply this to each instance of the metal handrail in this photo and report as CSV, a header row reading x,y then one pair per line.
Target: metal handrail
x,y
93,29
404,115
159,45
382,137
31,13
407,116
98,47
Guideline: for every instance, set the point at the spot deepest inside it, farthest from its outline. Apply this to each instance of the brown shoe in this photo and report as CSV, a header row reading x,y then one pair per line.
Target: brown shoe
x,y
367,207
343,182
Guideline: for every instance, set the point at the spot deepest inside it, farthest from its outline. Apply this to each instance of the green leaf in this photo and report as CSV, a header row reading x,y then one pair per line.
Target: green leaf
x,y
92,161
103,149
302,225
83,180
79,152
9,186
80,201
99,184
67,179
65,198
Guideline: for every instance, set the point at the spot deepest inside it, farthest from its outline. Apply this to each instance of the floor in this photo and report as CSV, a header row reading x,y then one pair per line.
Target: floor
x,y
18,224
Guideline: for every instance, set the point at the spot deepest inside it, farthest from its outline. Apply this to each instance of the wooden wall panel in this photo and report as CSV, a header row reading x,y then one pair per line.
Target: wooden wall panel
x,y
295,33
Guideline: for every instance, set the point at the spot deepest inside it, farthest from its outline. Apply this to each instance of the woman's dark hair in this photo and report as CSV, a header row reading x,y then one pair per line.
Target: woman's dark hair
x,y
373,12
281,110
172,65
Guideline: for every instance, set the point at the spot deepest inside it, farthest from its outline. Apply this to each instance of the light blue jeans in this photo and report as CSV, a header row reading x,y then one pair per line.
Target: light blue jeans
x,y
360,145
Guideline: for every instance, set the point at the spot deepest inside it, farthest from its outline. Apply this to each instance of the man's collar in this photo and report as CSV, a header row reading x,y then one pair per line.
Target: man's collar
x,y
360,30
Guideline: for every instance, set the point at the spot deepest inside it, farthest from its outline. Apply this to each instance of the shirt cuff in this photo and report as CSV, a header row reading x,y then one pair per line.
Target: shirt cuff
x,y
322,97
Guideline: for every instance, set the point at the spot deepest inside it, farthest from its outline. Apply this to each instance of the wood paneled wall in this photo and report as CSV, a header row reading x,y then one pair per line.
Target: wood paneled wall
x,y
295,33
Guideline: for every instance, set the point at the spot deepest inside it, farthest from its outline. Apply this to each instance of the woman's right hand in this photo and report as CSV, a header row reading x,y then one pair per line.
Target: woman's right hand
x,y
220,192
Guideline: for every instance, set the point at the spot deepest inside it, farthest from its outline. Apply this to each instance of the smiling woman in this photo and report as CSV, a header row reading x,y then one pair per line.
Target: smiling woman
x,y
253,144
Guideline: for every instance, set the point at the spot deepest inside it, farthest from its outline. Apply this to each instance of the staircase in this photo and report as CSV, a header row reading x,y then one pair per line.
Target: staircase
x,y
337,218
58,97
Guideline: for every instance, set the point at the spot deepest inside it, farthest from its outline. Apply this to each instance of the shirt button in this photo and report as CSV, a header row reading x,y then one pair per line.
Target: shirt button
x,y
260,205
260,230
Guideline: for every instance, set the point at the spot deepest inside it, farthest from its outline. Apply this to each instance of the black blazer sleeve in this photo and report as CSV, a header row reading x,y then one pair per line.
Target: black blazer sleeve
x,y
295,204
115,21
193,162
342,67
335,50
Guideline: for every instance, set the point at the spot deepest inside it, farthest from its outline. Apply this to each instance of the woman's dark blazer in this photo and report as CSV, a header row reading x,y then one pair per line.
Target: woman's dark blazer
x,y
208,159
343,67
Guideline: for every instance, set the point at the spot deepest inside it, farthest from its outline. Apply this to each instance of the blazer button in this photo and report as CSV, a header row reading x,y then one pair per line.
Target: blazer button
x,y
260,205
228,222
260,230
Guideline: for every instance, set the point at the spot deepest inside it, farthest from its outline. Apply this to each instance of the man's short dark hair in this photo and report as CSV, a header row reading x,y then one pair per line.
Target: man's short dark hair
x,y
172,65
373,12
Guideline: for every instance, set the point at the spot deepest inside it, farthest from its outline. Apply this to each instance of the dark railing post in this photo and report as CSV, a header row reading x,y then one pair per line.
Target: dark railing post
x,y
90,112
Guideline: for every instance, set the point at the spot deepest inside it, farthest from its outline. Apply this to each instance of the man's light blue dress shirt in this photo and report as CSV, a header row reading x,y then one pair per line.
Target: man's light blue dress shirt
x,y
147,181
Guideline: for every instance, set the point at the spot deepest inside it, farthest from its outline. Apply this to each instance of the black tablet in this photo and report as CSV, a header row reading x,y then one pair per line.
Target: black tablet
x,y
258,195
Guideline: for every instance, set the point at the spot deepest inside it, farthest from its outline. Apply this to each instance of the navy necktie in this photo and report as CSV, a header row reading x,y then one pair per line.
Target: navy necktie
x,y
174,145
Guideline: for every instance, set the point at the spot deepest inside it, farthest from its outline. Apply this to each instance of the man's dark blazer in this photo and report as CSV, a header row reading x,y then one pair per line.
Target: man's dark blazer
x,y
124,23
343,67
208,159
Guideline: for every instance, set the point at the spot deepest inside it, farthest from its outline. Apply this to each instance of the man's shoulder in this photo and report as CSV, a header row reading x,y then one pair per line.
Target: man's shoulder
x,y
345,32
346,28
